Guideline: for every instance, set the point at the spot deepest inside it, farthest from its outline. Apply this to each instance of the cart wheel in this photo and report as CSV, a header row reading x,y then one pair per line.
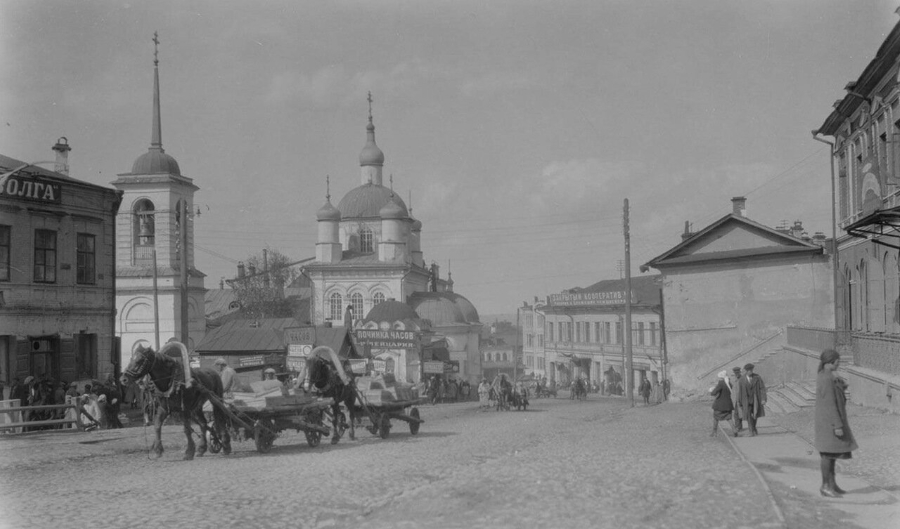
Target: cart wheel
x,y
385,428
414,426
264,432
313,438
212,441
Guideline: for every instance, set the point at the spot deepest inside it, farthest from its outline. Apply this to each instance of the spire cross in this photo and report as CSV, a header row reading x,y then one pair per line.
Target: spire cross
x,y
370,106
410,202
155,48
327,188
392,185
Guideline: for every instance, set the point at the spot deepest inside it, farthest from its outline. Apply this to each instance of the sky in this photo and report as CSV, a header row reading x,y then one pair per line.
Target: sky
x,y
517,128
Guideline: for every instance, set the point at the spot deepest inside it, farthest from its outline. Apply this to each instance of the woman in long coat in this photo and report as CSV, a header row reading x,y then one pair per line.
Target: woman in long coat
x,y
722,405
834,440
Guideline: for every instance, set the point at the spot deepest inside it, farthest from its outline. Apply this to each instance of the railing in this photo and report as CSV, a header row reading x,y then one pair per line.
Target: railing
x,y
872,351
143,255
16,414
816,339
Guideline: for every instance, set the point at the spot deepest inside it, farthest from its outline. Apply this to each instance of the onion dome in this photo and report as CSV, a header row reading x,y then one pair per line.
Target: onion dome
x,y
155,161
392,210
371,154
367,200
328,212
437,307
390,311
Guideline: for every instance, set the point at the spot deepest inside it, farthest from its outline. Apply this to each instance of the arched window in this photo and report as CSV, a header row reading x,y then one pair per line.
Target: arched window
x,y
336,309
143,231
377,298
389,365
365,240
356,300
504,357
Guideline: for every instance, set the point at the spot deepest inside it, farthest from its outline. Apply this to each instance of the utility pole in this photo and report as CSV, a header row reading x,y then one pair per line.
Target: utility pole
x,y
185,332
629,354
155,299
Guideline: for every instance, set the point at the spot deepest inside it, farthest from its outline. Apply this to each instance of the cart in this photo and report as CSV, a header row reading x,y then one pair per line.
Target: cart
x,y
263,424
382,413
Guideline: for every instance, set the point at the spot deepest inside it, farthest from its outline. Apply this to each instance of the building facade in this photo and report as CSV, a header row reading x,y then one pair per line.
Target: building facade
x,y
157,281
730,290
57,273
579,333
368,251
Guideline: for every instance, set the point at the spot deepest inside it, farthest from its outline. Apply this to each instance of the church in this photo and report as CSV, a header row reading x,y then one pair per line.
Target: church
x,y
159,292
369,252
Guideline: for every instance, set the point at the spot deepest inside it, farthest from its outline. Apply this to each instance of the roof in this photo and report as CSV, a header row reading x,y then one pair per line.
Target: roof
x,y
645,289
732,237
391,311
219,302
443,308
8,164
875,71
155,161
338,339
367,200
241,336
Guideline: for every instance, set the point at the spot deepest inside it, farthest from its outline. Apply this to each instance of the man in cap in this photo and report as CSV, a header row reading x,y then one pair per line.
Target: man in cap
x,y
751,398
735,379
227,374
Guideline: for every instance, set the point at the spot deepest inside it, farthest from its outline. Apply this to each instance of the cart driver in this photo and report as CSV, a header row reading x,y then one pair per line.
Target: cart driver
x,y
227,374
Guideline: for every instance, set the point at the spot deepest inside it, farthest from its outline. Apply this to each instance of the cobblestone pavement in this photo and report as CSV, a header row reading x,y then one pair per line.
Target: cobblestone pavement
x,y
597,463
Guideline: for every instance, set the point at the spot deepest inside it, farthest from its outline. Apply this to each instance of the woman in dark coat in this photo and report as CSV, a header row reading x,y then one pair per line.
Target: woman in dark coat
x,y
722,405
834,440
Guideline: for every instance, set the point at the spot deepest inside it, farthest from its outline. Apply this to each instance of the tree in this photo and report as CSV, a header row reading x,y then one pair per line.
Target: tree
x,y
260,291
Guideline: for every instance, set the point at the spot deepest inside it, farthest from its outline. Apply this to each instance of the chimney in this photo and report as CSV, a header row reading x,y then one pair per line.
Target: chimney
x,y
221,283
241,269
739,206
797,229
62,156
687,231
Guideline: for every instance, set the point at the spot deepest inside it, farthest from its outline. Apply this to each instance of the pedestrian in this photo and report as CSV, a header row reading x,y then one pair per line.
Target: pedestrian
x,y
722,405
752,398
833,438
19,391
484,391
735,379
114,397
227,374
645,390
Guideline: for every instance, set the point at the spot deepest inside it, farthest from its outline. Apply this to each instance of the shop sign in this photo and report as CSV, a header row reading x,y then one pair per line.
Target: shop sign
x,y
31,188
249,361
584,299
296,363
379,339
300,335
451,367
359,366
296,349
378,365
435,368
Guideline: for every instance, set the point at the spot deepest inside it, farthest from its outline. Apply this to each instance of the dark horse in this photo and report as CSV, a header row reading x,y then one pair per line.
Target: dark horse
x,y
329,379
174,393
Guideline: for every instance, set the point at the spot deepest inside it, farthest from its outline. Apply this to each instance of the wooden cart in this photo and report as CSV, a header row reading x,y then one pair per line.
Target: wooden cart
x,y
381,414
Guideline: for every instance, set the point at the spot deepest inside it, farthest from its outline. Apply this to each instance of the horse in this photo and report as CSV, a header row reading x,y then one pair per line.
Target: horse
x,y
325,372
502,392
173,393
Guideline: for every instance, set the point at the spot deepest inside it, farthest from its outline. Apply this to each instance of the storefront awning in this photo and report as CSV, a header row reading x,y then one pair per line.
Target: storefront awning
x,y
880,223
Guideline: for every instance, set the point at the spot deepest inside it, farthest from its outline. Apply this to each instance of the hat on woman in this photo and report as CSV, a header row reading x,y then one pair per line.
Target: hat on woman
x,y
28,379
269,370
723,374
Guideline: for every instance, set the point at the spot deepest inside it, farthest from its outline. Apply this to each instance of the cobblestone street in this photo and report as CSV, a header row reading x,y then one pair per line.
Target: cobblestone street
x,y
562,463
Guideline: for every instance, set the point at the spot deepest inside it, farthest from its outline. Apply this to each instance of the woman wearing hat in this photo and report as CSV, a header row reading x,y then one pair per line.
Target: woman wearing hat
x,y
722,405
833,438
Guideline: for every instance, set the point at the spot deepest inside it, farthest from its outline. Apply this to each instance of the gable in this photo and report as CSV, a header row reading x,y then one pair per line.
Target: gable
x,y
735,237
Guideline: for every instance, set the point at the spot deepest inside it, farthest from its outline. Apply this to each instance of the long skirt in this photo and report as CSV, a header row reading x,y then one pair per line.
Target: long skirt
x,y
483,399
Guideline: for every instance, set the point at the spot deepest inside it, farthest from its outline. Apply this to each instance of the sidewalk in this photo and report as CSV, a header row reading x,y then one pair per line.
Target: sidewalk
x,y
790,466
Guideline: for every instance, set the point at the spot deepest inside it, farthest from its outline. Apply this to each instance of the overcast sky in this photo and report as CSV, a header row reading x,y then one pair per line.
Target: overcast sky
x,y
518,127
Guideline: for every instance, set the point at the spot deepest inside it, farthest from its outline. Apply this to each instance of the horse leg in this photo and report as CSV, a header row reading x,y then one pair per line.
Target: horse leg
x,y
220,423
204,428
157,448
190,448
335,423
352,416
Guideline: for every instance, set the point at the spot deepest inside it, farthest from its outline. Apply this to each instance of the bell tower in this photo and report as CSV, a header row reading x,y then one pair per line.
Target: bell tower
x,y
159,292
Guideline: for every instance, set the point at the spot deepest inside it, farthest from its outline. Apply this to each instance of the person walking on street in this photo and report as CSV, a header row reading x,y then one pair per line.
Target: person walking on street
x,y
752,398
644,390
735,379
484,392
722,405
227,374
833,438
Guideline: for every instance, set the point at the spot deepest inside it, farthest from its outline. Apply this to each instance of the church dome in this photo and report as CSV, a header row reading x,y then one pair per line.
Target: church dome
x,y
466,307
328,212
392,210
438,307
367,200
391,311
155,161
371,154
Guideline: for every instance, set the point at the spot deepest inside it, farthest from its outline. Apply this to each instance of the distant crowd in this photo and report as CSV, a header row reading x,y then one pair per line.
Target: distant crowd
x,y
100,401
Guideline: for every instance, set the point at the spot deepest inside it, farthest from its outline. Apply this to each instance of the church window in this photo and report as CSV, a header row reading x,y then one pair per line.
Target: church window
x,y
144,231
336,308
377,298
365,240
44,256
356,300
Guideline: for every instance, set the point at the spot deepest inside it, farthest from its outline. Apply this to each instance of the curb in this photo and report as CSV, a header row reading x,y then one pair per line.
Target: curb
x,y
765,485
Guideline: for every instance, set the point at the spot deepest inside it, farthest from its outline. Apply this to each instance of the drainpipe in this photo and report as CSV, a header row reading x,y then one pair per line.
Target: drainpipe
x,y
834,243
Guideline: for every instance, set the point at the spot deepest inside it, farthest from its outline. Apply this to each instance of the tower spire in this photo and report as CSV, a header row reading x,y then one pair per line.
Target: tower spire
x,y
327,188
370,105
156,134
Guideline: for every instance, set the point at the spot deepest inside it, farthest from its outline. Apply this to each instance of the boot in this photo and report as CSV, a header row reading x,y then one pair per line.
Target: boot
x,y
827,489
834,485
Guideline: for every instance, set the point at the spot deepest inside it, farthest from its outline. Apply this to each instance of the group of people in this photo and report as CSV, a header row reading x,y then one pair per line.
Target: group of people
x,y
439,389
489,393
738,397
100,402
743,397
